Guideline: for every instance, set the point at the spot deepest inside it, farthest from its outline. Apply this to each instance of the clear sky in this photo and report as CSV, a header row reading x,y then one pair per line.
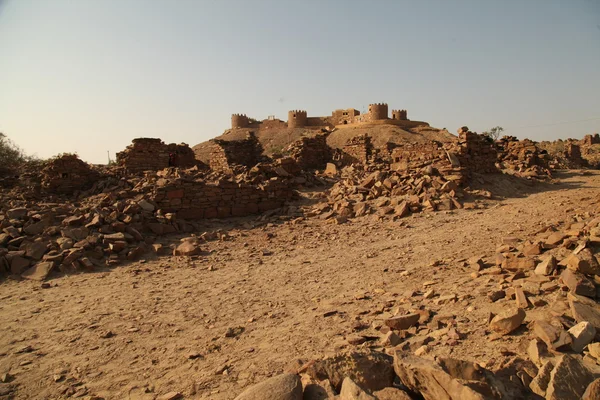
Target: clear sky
x,y
88,76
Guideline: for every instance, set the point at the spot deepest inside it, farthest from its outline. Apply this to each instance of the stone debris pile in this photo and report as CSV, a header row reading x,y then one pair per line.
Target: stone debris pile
x,y
522,158
377,189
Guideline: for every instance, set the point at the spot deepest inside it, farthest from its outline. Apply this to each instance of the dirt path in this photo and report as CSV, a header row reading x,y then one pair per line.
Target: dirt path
x,y
150,328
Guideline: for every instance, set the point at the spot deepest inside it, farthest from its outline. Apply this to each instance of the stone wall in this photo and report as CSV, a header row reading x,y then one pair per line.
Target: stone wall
x,y
297,118
67,174
344,117
475,152
357,150
149,154
199,199
311,152
226,155
589,140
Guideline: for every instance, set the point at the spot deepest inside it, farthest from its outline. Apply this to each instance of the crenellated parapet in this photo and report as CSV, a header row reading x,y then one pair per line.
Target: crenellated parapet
x,y
297,118
378,111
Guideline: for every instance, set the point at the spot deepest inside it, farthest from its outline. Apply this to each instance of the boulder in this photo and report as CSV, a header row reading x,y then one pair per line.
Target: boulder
x,y
188,249
507,321
401,322
38,272
280,387
539,384
578,283
546,267
447,379
569,379
583,262
582,334
391,394
555,337
371,370
584,309
351,391
593,391
16,213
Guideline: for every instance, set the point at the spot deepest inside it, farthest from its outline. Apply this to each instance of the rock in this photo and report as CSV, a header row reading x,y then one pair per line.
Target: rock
x,y
76,234
321,391
330,169
507,321
391,394
569,379
546,267
593,391
578,283
18,265
280,387
35,228
518,263
401,322
553,336
146,205
371,370
583,333
536,351
520,297
351,391
391,339
448,379
584,309
583,262
16,213
171,396
532,249
496,295
35,250
38,272
539,384
594,349
188,249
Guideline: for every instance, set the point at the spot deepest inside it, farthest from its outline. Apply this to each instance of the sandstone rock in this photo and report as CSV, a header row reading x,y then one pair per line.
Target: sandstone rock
x,y
555,239
391,339
520,298
171,396
497,295
594,349
507,321
321,391
518,263
569,379
401,322
391,394
146,205
18,265
539,384
35,250
330,169
35,228
546,267
553,336
448,379
351,391
187,249
38,272
280,387
16,213
593,391
578,283
371,370
536,351
583,333
584,309
583,262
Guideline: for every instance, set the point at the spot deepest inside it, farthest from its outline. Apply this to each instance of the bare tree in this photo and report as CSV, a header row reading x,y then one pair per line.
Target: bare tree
x,y
494,133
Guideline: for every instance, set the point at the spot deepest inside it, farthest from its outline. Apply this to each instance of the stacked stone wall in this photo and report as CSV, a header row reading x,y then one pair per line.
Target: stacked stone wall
x,y
202,200
225,155
311,152
67,174
149,154
359,149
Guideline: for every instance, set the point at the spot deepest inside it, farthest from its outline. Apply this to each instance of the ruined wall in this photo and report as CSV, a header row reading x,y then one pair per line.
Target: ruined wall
x,y
66,174
311,152
297,118
589,140
273,124
475,152
318,122
199,199
225,155
357,150
148,154
399,115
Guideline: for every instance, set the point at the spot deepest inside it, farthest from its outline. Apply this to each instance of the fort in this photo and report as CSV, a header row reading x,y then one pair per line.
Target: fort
x,y
378,113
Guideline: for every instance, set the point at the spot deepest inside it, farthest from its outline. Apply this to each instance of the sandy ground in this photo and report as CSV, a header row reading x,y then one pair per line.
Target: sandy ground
x,y
211,326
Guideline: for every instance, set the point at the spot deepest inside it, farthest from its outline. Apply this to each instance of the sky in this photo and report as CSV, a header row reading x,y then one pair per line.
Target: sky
x,y
88,76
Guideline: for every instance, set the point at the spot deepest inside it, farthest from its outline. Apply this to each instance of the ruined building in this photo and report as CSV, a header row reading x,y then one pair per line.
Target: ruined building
x,y
226,155
67,174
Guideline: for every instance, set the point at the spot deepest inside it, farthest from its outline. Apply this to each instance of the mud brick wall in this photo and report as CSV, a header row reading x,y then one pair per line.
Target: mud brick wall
x,y
357,150
144,154
311,152
199,199
67,174
589,140
516,153
225,155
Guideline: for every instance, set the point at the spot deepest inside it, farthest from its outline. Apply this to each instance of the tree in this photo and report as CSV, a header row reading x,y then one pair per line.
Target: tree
x,y
10,154
494,133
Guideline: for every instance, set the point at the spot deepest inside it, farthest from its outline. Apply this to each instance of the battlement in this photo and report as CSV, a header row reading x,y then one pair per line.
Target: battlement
x,y
297,118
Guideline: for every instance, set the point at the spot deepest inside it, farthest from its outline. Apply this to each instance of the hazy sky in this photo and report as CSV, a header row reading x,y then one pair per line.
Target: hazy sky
x,y
88,76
